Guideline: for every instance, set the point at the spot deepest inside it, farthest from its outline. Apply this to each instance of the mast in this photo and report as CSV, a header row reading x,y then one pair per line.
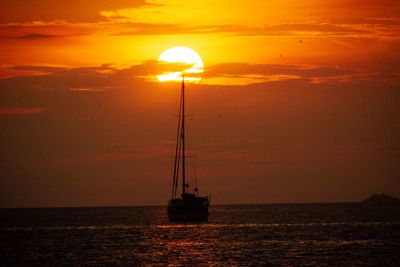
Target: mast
x,y
183,137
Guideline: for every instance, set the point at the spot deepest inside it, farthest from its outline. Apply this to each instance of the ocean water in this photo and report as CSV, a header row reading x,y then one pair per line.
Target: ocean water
x,y
236,235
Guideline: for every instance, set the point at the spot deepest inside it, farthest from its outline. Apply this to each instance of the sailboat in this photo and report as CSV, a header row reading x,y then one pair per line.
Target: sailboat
x,y
190,206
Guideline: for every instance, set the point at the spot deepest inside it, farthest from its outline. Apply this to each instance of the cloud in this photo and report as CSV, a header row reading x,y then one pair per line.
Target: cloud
x,y
45,69
43,29
102,78
34,19
104,74
243,73
315,29
71,11
15,71
86,89
265,69
7,111
298,29
37,36
131,28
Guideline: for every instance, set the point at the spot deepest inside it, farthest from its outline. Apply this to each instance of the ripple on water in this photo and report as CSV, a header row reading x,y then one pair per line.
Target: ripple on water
x,y
236,235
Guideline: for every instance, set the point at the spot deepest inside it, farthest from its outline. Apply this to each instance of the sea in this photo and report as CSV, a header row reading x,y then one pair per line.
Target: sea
x,y
345,234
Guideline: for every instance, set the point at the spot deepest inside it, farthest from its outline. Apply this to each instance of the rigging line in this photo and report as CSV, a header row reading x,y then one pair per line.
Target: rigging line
x,y
188,147
178,156
178,159
183,137
170,171
195,171
177,167
189,139
177,151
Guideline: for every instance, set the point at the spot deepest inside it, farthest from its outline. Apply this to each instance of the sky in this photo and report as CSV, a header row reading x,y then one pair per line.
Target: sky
x,y
299,101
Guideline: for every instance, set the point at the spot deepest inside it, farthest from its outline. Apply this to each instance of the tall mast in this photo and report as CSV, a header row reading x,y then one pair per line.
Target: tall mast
x,y
183,137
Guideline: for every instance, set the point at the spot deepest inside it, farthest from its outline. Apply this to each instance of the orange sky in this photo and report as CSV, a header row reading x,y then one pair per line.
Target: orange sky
x,y
298,102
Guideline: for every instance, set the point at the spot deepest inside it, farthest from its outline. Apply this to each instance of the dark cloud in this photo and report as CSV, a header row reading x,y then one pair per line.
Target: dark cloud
x,y
376,19
131,28
32,31
367,29
37,36
55,10
37,68
19,111
315,29
105,71
296,29
271,69
105,75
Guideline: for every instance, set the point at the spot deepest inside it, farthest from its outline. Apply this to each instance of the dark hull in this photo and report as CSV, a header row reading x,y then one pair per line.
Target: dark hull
x,y
191,209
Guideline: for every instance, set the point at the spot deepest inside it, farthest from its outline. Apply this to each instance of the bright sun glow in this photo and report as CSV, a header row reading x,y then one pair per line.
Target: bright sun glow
x,y
180,54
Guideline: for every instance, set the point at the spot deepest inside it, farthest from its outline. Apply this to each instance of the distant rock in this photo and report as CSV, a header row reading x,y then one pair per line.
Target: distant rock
x,y
381,199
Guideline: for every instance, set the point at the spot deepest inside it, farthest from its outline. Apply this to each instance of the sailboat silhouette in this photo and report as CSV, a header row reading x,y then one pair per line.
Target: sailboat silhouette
x,y
189,207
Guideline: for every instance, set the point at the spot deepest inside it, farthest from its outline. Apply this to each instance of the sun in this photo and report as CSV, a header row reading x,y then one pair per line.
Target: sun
x,y
181,54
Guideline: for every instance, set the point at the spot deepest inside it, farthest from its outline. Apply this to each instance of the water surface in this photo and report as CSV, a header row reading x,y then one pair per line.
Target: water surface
x,y
244,235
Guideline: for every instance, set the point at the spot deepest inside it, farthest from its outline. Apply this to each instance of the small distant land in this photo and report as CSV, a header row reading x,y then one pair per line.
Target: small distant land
x,y
381,199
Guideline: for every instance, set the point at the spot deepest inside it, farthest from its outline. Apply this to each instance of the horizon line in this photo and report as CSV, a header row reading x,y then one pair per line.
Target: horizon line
x,y
161,205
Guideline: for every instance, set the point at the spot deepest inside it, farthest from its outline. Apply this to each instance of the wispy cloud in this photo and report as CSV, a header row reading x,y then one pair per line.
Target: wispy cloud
x,y
365,28
243,73
19,111
77,11
16,71
87,89
37,36
97,79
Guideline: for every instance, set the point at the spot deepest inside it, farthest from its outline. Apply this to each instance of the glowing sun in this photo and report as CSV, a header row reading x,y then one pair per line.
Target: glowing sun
x,y
185,55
